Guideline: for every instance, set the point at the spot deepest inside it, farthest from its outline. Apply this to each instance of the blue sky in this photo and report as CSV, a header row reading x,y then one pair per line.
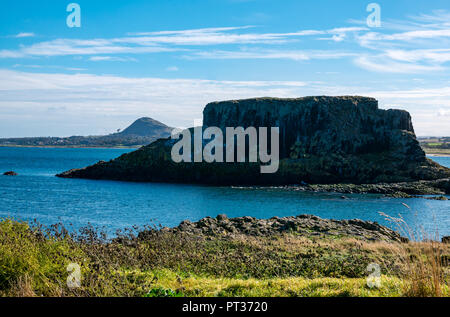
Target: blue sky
x,y
167,59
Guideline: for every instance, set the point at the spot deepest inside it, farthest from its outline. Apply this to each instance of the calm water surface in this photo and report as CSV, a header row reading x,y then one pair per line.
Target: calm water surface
x,y
37,194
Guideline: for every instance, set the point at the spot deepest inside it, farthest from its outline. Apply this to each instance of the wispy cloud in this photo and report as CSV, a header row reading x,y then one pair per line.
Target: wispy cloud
x,y
417,45
172,69
112,59
385,65
430,55
24,34
48,67
166,41
64,47
86,97
421,46
444,113
270,54
192,31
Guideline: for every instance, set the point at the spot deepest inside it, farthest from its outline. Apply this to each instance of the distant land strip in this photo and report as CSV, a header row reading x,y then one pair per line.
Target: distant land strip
x,y
141,132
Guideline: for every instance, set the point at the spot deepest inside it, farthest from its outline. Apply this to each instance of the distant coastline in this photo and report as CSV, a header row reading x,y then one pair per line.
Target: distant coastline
x,y
437,153
429,152
141,132
71,146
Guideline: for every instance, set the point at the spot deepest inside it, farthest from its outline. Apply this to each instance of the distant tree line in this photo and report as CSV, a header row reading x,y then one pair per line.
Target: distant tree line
x,y
112,140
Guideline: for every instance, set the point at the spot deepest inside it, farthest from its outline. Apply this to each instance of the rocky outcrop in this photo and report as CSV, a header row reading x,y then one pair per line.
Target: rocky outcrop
x,y
322,125
397,190
323,140
10,173
305,225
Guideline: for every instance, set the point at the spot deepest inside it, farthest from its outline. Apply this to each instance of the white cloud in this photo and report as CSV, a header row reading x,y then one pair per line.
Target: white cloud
x,y
436,18
24,34
444,113
270,54
111,59
166,41
192,31
89,103
422,48
422,45
172,69
385,65
91,97
430,55
64,47
369,37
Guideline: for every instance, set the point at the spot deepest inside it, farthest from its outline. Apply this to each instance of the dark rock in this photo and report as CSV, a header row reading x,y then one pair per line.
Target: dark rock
x,y
437,198
10,173
398,194
222,217
323,140
306,225
404,240
394,190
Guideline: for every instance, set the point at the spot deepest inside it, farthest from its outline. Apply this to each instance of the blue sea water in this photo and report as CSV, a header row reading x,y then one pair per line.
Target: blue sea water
x,y
37,194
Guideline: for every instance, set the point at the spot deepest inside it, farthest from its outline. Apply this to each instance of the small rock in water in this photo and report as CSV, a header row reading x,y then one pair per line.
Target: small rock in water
x,y
10,173
437,198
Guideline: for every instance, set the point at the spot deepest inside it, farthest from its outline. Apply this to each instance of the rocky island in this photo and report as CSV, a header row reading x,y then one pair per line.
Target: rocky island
x,y
323,140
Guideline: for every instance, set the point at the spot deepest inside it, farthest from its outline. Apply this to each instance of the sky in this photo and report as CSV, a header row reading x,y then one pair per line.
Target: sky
x,y
168,59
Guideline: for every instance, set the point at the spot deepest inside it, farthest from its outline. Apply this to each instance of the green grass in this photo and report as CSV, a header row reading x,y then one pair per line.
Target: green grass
x,y
170,284
33,262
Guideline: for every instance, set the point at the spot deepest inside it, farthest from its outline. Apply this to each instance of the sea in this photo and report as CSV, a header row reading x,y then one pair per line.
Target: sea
x,y
37,195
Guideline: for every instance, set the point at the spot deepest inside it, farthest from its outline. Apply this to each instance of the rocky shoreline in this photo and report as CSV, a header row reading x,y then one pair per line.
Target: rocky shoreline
x,y
304,225
438,188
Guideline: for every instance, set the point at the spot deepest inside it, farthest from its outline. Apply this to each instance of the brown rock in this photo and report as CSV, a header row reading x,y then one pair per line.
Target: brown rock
x,y
10,173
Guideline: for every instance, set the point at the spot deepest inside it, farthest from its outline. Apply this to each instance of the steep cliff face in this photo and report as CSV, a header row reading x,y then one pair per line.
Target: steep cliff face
x,y
322,140
322,125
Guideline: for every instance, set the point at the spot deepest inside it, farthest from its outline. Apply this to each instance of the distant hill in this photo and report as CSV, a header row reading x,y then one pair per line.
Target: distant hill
x,y
143,131
147,127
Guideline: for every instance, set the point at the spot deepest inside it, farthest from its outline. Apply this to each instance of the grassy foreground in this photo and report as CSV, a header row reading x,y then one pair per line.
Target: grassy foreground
x,y
34,260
